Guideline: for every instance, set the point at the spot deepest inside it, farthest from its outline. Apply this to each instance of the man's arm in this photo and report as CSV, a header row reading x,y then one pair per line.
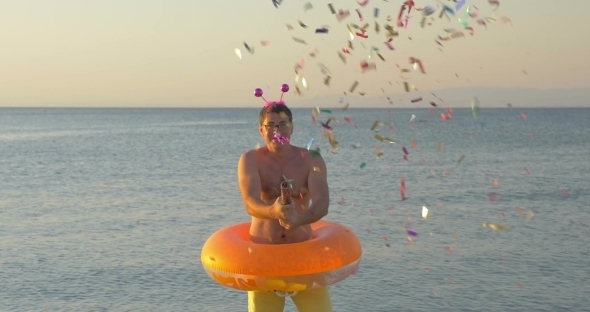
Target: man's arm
x,y
250,187
317,184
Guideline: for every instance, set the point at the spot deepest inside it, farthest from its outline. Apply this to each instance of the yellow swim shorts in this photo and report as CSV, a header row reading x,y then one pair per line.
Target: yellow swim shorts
x,y
312,300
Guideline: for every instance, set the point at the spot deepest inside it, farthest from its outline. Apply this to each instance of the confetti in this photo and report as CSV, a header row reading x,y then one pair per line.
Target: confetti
x,y
302,24
317,169
475,107
342,15
461,158
403,188
331,7
298,40
248,48
309,144
416,100
425,212
493,197
441,146
411,233
362,4
308,6
238,53
363,165
354,85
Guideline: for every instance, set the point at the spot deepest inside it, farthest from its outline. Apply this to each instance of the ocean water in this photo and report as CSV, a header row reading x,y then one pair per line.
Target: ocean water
x,y
107,209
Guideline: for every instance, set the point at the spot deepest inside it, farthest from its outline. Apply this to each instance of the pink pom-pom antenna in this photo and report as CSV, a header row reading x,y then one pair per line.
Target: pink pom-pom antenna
x,y
284,88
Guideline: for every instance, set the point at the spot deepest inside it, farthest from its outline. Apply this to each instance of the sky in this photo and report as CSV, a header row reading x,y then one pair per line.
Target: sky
x,y
180,53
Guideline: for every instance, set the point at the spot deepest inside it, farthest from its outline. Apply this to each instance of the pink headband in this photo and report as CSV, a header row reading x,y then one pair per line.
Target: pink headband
x,y
284,88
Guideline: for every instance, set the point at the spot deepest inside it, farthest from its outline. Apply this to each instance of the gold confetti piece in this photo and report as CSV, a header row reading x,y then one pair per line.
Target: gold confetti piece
x,y
317,169
315,112
350,46
455,237
530,215
304,83
389,140
362,93
345,107
425,212
257,146
406,86
381,57
342,57
301,24
376,124
354,85
378,137
379,155
461,158
331,7
441,146
327,80
423,22
365,26
299,40
289,27
297,90
308,6
238,53
376,27
405,70
342,15
458,34
495,226
414,143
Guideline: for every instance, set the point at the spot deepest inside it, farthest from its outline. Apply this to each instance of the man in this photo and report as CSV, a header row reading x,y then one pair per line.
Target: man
x,y
260,173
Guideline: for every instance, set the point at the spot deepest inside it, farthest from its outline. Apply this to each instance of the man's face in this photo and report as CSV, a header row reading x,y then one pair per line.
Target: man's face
x,y
275,124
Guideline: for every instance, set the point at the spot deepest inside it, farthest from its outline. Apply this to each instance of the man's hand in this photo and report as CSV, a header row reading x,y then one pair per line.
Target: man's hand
x,y
288,217
291,220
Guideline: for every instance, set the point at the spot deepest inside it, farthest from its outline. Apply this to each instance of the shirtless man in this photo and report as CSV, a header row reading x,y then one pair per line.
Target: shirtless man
x,y
260,173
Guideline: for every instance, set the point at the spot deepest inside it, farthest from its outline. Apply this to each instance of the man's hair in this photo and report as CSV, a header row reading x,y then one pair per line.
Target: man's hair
x,y
277,109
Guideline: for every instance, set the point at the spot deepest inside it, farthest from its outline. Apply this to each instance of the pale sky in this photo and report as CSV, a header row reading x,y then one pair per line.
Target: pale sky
x,y
178,53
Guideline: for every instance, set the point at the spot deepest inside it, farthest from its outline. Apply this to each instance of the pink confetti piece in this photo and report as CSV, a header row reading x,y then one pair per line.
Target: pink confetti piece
x,y
385,237
362,4
493,197
565,192
527,171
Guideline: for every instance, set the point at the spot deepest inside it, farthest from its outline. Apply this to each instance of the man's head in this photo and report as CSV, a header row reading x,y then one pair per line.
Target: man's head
x,y
275,120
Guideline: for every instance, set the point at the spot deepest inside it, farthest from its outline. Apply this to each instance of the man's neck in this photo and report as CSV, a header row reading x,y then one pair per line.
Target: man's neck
x,y
283,154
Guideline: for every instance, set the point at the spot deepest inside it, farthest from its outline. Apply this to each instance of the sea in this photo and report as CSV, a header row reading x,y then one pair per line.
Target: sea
x,y
107,209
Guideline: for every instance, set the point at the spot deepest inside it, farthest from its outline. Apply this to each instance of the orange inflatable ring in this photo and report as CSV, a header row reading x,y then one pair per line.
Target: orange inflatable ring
x,y
332,254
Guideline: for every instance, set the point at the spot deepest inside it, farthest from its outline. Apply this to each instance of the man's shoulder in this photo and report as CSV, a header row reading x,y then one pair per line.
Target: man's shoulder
x,y
251,154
